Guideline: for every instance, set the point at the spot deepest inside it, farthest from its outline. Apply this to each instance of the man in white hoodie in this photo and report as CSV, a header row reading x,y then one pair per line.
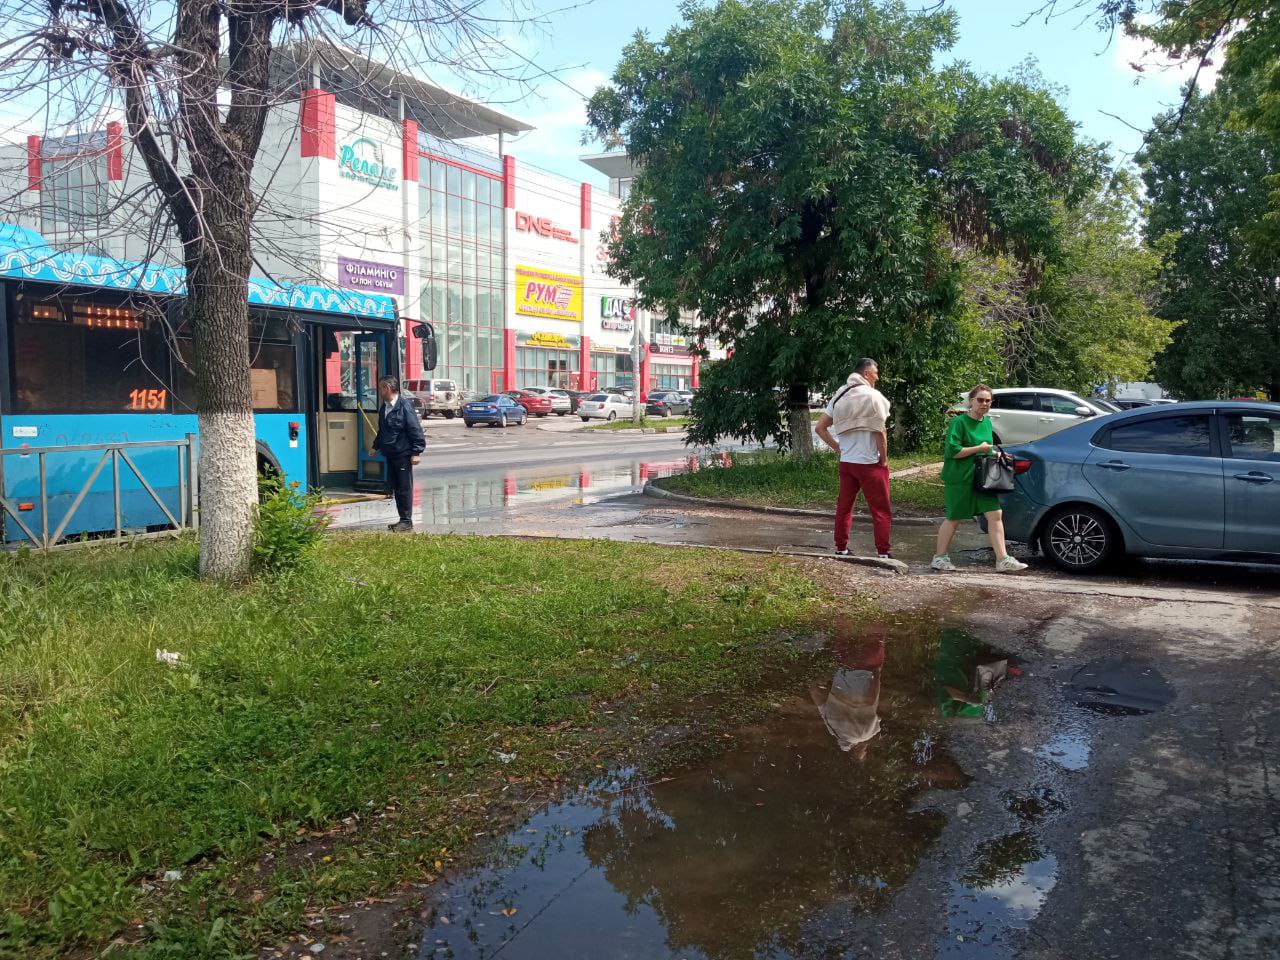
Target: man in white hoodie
x,y
857,414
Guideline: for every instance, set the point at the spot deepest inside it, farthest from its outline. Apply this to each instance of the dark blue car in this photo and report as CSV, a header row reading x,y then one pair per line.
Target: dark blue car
x,y
1186,480
497,410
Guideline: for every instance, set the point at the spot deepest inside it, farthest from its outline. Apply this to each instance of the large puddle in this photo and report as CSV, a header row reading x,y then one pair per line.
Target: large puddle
x,y
797,821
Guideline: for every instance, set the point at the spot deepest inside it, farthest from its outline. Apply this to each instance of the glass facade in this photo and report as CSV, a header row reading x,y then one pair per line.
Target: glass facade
x,y
73,190
670,376
462,243
544,367
613,370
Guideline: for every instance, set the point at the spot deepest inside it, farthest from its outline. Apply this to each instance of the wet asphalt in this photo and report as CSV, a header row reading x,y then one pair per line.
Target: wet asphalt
x,y
1086,770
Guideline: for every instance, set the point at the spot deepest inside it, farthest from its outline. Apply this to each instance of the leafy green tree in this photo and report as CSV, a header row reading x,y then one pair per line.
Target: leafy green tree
x,y
1098,294
1206,184
809,183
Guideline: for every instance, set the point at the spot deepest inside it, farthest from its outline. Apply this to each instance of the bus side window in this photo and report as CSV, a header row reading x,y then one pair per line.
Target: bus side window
x,y
272,372
81,355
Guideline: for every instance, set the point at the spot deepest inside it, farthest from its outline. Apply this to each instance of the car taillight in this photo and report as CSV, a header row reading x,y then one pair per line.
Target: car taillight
x,y
492,409
1021,466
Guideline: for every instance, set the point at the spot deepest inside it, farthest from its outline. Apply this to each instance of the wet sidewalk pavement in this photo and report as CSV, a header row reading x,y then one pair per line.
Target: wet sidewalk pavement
x,y
904,802
605,500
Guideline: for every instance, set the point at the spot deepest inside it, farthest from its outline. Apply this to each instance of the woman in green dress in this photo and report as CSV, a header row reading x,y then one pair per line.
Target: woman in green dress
x,y
968,436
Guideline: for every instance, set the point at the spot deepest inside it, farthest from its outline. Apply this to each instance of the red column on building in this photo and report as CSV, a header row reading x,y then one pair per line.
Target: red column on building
x,y
509,182
319,134
584,201
409,150
115,151
508,359
584,365
644,372
33,162
693,379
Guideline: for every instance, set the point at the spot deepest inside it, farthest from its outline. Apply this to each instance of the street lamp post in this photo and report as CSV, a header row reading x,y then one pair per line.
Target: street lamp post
x,y
636,411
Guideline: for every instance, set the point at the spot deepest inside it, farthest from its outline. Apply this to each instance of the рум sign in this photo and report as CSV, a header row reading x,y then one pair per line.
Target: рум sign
x,y
370,275
548,294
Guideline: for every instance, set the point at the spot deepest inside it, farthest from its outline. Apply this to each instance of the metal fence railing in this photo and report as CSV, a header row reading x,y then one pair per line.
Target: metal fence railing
x,y
38,528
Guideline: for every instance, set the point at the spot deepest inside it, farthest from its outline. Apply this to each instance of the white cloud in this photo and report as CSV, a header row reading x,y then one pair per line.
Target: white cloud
x,y
1140,60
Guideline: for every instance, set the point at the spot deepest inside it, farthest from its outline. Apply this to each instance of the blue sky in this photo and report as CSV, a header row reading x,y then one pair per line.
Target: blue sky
x,y
583,45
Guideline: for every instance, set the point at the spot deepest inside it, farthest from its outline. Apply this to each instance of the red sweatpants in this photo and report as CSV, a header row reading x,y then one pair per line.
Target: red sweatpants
x,y
873,480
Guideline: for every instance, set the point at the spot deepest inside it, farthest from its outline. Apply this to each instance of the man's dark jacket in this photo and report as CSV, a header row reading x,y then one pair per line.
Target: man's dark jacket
x,y
399,431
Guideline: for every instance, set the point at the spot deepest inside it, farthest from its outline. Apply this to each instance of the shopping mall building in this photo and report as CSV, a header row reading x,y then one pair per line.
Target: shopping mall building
x,y
369,180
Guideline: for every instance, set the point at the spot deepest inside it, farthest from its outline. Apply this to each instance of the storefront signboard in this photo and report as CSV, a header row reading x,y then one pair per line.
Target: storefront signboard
x,y
669,349
553,341
548,294
617,313
362,159
543,227
370,275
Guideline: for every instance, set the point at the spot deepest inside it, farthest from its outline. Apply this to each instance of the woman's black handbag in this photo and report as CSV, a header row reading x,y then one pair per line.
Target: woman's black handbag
x,y
993,474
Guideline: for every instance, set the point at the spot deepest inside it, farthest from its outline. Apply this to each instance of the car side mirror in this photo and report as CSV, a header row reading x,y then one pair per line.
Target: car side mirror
x,y
1085,412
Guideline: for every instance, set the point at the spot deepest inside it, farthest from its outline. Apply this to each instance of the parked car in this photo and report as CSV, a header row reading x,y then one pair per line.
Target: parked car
x,y
577,396
687,394
419,405
1193,480
604,406
560,403
1024,414
621,391
668,404
536,403
438,396
496,409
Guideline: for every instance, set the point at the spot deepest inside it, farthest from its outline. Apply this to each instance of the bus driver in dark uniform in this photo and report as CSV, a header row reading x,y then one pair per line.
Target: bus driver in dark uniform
x,y
400,440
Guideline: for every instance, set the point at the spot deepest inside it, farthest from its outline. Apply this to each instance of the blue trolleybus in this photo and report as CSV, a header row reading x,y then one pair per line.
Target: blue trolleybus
x,y
93,351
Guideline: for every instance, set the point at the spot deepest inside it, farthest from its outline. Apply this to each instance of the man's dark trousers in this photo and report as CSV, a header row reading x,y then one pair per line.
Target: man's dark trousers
x,y
400,479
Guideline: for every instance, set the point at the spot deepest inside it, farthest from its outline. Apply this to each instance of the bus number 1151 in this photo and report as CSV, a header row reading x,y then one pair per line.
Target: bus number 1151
x,y
148,399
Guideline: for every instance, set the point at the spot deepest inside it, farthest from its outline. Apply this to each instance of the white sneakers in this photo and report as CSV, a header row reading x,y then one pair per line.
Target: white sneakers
x,y
1006,564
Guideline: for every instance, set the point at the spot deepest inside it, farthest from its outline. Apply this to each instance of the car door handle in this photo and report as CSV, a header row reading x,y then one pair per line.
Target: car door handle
x,y
1114,465
1255,477
1046,419
994,416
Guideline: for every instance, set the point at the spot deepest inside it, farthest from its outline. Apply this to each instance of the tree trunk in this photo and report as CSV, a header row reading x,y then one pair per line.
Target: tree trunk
x,y
799,426
218,312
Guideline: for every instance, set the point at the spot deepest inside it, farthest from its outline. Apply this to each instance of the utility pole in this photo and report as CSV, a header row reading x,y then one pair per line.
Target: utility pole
x,y
636,410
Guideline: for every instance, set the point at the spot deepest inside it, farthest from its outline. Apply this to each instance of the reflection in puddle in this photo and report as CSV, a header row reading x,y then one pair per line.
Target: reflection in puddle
x,y
1069,749
1003,890
806,814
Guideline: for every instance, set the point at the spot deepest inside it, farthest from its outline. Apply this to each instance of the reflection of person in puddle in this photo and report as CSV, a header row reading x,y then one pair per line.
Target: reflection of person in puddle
x,y
849,706
963,681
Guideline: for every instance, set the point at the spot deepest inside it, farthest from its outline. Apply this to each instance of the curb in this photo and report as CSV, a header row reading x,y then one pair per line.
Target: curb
x,y
651,490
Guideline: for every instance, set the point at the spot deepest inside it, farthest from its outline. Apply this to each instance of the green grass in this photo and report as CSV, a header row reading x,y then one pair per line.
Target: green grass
x,y
626,423
380,684
771,479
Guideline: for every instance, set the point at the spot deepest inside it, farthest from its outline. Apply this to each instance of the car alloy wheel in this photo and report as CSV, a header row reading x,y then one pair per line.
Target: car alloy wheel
x,y
1078,539
502,421
612,415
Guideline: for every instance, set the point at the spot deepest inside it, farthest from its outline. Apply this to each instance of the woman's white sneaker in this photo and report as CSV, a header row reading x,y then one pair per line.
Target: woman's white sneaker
x,y
942,563
1008,564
